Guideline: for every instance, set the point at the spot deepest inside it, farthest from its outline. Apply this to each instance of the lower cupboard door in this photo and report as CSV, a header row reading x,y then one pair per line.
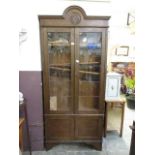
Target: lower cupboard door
x,y
90,127
59,128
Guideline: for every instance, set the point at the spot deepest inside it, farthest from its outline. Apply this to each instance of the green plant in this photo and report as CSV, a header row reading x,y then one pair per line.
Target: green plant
x,y
130,85
130,92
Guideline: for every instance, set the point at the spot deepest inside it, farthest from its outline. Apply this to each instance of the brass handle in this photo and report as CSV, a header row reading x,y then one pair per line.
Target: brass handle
x,y
77,61
72,43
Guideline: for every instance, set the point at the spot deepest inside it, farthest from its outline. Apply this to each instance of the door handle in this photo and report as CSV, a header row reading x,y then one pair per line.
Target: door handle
x,y
77,61
72,43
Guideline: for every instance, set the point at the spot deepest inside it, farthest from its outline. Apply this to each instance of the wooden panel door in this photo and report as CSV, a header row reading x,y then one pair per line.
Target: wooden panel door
x,y
59,128
90,58
89,127
58,70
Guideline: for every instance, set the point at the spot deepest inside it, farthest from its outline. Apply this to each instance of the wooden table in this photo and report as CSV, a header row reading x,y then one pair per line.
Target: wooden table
x,y
120,103
21,125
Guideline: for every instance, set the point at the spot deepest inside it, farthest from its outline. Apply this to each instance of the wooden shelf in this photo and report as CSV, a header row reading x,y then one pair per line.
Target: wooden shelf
x,y
58,44
88,72
66,69
89,63
81,63
60,65
86,81
94,47
61,69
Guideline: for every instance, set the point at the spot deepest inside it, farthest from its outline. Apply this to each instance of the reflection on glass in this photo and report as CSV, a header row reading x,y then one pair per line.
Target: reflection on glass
x,y
59,71
59,47
89,70
90,47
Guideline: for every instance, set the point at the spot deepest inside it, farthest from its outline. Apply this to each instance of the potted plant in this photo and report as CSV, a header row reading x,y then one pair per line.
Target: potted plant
x,y
129,81
129,85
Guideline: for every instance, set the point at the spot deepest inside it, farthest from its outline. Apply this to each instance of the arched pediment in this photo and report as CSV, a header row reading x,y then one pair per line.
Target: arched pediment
x,y
74,16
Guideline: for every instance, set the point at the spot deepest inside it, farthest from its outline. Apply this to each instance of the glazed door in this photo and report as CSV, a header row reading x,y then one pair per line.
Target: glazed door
x,y
89,70
59,70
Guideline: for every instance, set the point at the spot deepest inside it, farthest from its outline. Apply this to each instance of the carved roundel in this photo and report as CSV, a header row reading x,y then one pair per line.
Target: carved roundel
x,y
75,18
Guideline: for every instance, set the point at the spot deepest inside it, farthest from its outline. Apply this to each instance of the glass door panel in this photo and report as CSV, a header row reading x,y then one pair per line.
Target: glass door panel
x,y
59,55
89,71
